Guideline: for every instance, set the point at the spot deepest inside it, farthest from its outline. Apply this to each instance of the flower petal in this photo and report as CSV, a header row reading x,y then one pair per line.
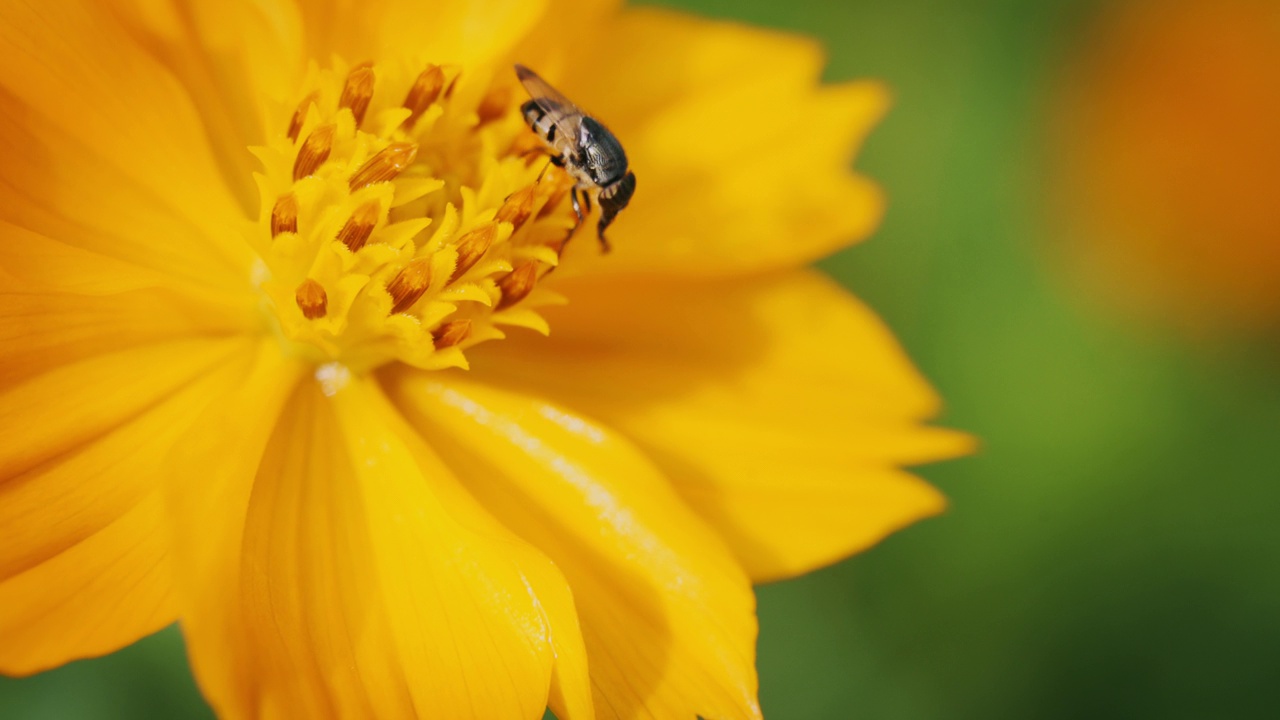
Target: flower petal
x,y
104,150
234,59
779,407
351,577
448,31
60,304
667,614
83,566
742,159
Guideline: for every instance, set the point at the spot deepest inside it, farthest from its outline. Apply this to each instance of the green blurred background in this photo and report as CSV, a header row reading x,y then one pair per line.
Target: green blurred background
x,y
1113,550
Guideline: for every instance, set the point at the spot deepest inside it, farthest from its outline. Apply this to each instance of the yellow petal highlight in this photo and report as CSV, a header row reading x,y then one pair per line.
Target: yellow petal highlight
x,y
83,568
667,614
779,407
348,576
105,152
741,158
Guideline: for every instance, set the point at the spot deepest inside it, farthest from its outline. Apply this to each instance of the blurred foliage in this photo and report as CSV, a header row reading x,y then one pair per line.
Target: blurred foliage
x,y
1112,550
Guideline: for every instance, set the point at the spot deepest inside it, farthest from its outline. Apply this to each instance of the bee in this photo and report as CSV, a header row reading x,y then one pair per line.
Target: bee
x,y
583,147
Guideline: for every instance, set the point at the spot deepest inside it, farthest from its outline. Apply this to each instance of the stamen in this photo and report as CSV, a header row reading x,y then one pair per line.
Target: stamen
x,y
518,206
357,91
300,116
314,151
284,215
426,90
312,300
406,287
560,190
355,233
384,166
471,247
495,104
451,333
517,284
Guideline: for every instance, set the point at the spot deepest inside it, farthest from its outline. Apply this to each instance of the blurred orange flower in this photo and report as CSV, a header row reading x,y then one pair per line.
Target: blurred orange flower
x,y
1169,149
234,384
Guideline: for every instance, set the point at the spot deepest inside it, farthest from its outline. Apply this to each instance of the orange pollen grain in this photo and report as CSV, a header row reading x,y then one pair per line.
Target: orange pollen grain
x,y
314,151
284,215
300,116
388,163
494,105
518,206
471,247
356,231
517,284
409,285
426,90
357,91
312,300
451,333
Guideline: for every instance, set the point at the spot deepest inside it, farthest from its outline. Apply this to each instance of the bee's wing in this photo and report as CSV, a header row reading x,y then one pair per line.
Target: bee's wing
x,y
561,109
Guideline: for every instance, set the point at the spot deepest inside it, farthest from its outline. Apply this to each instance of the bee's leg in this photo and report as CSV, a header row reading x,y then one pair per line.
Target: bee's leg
x,y
545,168
606,217
577,210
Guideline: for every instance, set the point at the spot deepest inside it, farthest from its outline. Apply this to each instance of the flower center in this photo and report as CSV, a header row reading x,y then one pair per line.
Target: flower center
x,y
405,217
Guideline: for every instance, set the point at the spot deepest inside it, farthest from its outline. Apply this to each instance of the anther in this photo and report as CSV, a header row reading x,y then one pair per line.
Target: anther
x,y
426,90
311,299
314,151
494,105
388,163
357,91
355,233
300,116
560,190
409,285
284,215
518,206
471,247
451,333
517,284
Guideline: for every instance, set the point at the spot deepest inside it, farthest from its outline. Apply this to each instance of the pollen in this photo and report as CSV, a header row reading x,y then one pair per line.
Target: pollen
x,y
356,231
517,284
517,208
409,284
404,219
311,299
451,333
471,247
315,150
425,91
358,91
284,216
388,163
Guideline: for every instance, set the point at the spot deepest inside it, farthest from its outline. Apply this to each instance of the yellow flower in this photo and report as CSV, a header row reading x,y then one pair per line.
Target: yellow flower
x,y
234,384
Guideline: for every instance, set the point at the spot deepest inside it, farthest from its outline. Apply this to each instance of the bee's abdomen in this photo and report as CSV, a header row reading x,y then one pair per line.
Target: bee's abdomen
x,y
545,124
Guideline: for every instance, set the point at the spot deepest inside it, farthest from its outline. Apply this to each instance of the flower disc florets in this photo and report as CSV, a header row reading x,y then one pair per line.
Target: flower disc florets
x,y
405,217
